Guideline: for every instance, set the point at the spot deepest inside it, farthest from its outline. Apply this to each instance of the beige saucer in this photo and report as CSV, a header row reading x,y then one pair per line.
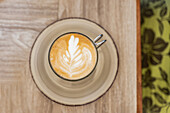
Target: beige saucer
x,y
73,92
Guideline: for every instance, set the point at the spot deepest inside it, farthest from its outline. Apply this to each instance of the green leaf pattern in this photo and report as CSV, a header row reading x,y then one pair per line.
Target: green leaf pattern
x,y
155,39
163,11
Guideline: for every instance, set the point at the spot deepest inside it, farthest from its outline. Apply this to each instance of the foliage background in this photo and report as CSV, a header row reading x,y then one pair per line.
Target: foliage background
x,y
155,36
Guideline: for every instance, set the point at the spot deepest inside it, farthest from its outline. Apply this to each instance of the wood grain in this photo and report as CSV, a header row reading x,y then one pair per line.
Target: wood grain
x,y
20,23
139,63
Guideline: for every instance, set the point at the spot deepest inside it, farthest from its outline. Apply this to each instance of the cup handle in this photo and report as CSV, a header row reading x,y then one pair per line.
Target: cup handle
x,y
98,44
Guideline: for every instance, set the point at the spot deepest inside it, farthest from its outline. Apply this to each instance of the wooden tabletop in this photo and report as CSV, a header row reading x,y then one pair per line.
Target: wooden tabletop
x,y
20,23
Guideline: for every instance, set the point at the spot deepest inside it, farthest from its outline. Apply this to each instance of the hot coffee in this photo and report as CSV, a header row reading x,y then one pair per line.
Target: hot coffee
x,y
73,56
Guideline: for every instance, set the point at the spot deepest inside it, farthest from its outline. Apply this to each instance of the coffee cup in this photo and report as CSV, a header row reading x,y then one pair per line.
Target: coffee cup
x,y
73,56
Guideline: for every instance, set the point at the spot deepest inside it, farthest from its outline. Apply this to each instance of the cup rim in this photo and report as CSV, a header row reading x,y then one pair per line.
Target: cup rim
x,y
85,75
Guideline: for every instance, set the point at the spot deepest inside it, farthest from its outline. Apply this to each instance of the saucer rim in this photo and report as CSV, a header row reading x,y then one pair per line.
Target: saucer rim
x,y
81,18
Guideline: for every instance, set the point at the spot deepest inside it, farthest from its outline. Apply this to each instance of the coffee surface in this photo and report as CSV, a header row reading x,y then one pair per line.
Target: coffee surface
x,y
73,56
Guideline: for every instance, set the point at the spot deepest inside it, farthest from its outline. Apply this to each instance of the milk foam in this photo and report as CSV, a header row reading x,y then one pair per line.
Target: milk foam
x,y
76,56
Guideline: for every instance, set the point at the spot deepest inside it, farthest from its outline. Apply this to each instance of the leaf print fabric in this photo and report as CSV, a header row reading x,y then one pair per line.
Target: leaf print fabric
x,y
155,39
152,48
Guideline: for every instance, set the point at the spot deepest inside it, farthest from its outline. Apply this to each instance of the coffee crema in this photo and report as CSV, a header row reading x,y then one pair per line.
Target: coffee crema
x,y
73,56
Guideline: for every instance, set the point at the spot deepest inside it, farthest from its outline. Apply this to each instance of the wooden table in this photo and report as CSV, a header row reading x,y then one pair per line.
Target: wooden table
x,y
20,23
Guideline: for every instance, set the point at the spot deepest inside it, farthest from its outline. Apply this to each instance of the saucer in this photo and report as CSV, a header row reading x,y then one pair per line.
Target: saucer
x,y
73,92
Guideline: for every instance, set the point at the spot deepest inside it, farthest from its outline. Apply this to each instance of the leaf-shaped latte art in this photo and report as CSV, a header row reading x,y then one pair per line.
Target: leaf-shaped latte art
x,y
74,58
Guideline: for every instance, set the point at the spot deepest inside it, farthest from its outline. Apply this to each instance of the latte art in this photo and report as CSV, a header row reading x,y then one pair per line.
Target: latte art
x,y
73,56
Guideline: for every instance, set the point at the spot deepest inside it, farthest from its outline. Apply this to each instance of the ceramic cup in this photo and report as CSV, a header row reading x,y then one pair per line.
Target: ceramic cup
x,y
73,56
